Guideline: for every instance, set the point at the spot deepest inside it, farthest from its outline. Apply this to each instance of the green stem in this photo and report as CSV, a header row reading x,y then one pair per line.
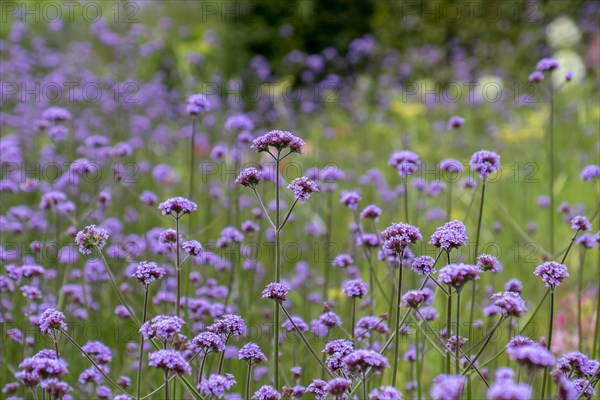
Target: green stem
x,y
248,381
202,368
597,327
264,209
166,385
397,335
192,169
549,345
108,378
353,318
417,353
326,264
116,289
579,292
277,273
562,261
178,271
457,343
449,203
141,354
405,183
308,346
471,362
448,326
474,284
551,156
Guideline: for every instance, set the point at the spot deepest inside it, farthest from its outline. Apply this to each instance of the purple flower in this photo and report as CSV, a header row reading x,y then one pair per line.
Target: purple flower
x,y
581,384
448,387
406,162
252,354
532,355
170,361
581,223
298,321
162,327
455,122
510,303
276,291
217,385
456,275
485,162
586,240
249,177
303,188
385,393
569,76
51,319
354,288
168,236
574,362
488,263
423,265
590,173
279,140
147,272
90,238
337,350
514,285
536,76
266,392
317,388
509,390
239,121
192,247
51,199
350,199
56,114
229,234
229,325
449,236
342,260
398,236
100,352
149,198
175,206
552,273
207,342
338,386
197,103
370,324
414,298
359,360
56,388
547,64
371,212
451,165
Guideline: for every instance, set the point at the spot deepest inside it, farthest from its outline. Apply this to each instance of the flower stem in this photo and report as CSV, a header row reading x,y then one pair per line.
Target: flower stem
x,y
417,353
364,380
248,381
192,169
353,318
166,385
471,361
448,326
597,327
474,284
141,354
202,368
397,337
549,344
116,289
326,264
562,261
308,346
551,156
277,273
579,292
457,343
449,203
178,271
405,183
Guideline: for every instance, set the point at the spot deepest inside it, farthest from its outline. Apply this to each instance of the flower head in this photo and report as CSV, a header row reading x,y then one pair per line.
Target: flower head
x,y
229,325
56,114
448,387
303,188
552,273
176,206
371,212
337,386
456,275
532,355
359,360
229,234
423,265
488,263
276,291
208,342
485,162
266,392
350,199
398,236
414,298
252,354
162,327
197,103
279,140
317,388
536,76
581,223
509,390
170,361
51,319
451,165
91,237
355,288
385,393
590,173
249,177
455,122
547,64
147,272
449,236
217,385
192,247
510,303
406,162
